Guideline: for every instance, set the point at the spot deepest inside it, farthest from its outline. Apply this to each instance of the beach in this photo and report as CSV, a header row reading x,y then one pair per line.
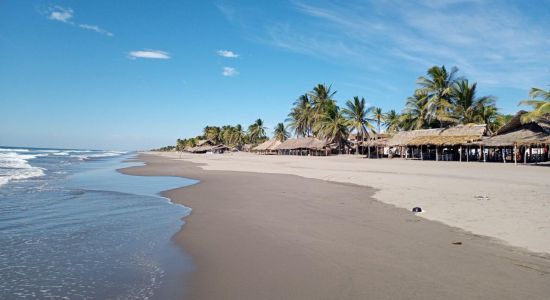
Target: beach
x,y
275,227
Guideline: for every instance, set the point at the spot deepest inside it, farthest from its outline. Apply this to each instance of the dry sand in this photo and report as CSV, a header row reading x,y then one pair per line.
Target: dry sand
x,y
268,236
503,201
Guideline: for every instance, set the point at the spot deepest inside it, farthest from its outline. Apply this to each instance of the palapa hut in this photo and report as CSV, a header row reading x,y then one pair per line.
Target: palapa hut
x,y
304,146
208,146
267,147
377,145
439,143
515,142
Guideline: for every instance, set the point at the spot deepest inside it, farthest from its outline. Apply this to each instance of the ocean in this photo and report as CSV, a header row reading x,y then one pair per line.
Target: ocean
x,y
71,227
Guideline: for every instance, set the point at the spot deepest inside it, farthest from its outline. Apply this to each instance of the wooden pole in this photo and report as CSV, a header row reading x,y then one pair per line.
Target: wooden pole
x,y
436,153
421,154
468,154
503,152
515,154
460,153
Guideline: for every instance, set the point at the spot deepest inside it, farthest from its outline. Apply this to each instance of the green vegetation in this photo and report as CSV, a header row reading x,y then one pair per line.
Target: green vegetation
x,y
442,99
541,108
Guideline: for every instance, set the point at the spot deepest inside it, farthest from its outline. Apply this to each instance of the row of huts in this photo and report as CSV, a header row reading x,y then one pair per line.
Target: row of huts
x,y
514,142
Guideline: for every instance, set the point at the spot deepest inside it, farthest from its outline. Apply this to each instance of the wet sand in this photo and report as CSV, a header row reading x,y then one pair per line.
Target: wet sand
x,y
270,236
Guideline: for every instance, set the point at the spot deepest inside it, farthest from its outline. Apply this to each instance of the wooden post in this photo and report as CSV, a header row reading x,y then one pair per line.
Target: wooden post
x,y
515,154
421,154
503,152
436,153
368,151
468,154
460,152
530,153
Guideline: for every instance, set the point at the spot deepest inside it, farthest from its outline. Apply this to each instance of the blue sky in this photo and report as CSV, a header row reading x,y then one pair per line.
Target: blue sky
x,y
139,74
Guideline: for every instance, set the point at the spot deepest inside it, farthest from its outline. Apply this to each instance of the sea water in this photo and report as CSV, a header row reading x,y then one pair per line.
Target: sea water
x,y
71,227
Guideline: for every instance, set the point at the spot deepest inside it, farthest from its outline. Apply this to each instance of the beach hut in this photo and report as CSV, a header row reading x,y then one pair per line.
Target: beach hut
x,y
376,145
517,141
303,146
451,143
267,147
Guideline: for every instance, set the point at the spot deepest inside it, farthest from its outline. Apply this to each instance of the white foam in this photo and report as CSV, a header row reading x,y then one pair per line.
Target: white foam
x,y
15,166
100,155
13,150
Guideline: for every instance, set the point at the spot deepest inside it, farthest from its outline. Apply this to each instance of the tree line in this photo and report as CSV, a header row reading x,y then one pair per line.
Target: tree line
x,y
441,99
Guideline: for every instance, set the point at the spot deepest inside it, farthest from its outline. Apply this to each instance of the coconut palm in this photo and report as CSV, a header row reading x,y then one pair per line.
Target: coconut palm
x,y
239,136
356,112
212,133
541,108
256,131
467,107
438,86
414,115
322,99
333,127
280,132
301,116
392,121
378,116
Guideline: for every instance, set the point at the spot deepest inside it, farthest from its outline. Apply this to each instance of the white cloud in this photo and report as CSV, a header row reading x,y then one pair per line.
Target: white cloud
x,y
149,54
227,53
66,15
228,71
95,28
61,14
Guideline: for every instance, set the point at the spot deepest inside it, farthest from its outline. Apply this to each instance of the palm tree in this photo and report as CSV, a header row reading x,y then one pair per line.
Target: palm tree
x,y
491,118
467,107
391,121
438,87
414,115
356,113
378,116
301,116
256,131
212,133
239,136
541,108
333,127
280,132
322,102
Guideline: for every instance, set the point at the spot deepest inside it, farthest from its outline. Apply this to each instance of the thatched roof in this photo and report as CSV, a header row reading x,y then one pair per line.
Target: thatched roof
x,y
457,135
269,145
442,140
207,148
514,132
303,143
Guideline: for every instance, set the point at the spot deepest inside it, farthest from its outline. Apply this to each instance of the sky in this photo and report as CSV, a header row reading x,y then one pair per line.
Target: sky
x,y
133,75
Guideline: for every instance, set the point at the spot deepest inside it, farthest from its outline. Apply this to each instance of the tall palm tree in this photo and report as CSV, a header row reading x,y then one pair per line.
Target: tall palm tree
x,y
378,116
212,133
333,127
541,108
438,86
256,131
356,112
391,121
414,115
322,99
468,108
490,117
239,136
280,132
301,116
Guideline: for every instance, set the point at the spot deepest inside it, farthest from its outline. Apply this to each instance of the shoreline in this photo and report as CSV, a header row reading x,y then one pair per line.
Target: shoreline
x,y
256,235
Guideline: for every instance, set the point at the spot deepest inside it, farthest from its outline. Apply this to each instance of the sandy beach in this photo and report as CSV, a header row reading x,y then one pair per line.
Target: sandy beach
x,y
339,230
